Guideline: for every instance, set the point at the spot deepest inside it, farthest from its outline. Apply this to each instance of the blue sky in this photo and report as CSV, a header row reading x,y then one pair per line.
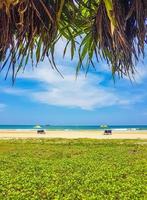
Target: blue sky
x,y
42,96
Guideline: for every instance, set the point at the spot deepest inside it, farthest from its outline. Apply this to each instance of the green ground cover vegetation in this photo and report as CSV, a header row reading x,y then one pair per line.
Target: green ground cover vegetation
x,y
73,169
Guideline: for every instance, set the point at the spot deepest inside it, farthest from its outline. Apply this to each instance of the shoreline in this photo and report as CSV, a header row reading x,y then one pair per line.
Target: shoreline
x,y
72,134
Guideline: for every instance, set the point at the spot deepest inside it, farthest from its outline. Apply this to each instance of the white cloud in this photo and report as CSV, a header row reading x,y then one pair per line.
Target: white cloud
x,y
13,91
59,49
140,74
2,106
85,93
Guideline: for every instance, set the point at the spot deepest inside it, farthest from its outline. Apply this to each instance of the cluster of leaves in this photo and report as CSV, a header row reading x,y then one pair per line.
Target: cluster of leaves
x,y
73,169
111,29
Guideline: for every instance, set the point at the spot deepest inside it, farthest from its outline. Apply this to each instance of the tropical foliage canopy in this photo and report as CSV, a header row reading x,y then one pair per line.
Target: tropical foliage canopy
x,y
111,29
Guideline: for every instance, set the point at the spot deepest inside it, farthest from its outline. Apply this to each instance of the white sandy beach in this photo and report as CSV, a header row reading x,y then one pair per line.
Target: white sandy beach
x,y
22,134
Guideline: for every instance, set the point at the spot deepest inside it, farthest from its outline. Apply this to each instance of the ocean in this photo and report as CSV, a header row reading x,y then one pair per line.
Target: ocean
x,y
51,127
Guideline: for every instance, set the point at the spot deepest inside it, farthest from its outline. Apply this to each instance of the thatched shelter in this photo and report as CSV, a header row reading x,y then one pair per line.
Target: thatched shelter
x,y
111,29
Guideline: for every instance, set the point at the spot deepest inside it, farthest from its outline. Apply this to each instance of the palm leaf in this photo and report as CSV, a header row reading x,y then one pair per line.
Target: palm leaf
x,y
113,30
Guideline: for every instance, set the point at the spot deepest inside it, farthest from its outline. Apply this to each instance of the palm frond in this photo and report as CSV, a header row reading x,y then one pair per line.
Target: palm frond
x,y
113,30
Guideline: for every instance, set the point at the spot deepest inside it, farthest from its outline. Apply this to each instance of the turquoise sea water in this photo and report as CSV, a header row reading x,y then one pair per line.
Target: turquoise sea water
x,y
50,127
